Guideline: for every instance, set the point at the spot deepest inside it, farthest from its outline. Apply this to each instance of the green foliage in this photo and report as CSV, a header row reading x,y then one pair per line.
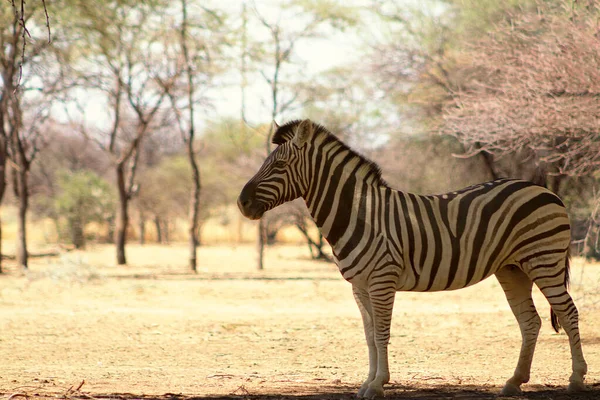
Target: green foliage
x,y
232,138
474,18
339,15
165,188
84,197
424,55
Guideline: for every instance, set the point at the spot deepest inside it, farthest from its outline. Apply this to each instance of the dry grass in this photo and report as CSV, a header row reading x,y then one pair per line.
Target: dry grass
x,y
153,328
226,226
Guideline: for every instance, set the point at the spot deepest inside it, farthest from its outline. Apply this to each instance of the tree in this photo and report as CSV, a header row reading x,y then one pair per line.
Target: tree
x,y
197,69
67,153
514,82
533,96
84,197
313,18
26,97
422,67
120,38
534,91
159,204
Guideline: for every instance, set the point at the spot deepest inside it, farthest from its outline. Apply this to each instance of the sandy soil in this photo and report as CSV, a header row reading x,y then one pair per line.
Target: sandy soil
x,y
80,327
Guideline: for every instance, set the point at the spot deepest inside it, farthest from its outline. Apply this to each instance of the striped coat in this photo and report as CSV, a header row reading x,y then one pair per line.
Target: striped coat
x,y
385,240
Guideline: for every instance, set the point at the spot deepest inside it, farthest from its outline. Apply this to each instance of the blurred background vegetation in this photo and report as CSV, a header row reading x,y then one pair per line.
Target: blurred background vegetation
x,y
140,121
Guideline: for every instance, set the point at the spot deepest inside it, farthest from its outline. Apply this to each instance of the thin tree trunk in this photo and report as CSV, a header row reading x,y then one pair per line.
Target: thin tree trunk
x,y
166,231
3,154
110,230
159,238
262,239
22,217
262,225
20,172
197,187
555,183
193,240
1,256
122,216
142,229
488,161
77,234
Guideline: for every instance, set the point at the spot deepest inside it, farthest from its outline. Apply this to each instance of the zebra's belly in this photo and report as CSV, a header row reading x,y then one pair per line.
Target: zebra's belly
x,y
449,276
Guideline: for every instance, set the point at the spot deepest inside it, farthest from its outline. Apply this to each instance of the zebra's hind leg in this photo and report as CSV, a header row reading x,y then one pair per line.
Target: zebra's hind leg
x,y
564,308
517,288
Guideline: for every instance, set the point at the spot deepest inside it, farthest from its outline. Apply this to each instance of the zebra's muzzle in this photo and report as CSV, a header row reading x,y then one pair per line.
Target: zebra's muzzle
x,y
249,208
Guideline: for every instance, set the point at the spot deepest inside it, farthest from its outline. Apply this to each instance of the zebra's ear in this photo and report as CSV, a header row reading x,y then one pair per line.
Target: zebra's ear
x,y
275,126
304,131
280,136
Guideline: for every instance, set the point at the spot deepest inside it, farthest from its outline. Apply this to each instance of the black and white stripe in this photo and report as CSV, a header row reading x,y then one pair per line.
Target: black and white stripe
x,y
386,240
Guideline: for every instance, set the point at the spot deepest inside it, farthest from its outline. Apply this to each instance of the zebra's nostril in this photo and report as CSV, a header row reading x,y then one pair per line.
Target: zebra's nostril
x,y
243,203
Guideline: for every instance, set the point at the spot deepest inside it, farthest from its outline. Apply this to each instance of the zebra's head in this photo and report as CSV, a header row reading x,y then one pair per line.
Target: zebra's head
x,y
281,178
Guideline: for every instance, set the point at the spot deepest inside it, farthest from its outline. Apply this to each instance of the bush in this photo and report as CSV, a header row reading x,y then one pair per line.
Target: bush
x,y
84,197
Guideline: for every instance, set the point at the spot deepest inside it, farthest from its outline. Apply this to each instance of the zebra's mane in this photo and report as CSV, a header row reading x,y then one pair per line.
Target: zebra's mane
x,y
286,132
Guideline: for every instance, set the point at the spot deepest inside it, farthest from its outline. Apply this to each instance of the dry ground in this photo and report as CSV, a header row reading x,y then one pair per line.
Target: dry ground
x,y
152,330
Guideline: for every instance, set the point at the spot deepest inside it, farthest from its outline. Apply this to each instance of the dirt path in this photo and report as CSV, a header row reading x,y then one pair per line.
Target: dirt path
x,y
151,330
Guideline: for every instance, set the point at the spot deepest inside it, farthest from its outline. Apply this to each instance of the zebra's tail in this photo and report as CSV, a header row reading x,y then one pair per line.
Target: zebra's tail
x,y
553,318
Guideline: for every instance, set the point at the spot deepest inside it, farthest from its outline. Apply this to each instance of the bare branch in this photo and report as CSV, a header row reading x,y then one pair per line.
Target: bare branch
x,y
533,92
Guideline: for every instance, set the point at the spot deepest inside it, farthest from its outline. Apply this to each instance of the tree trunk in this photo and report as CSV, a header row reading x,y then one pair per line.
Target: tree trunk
x,y
110,231
192,244
166,232
194,206
590,243
318,253
555,183
76,231
159,238
2,189
488,161
122,216
3,156
262,239
195,196
22,217
1,256
142,229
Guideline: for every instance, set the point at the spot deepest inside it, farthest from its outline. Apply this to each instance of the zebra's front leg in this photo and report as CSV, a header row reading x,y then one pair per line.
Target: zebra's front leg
x,y
378,304
364,305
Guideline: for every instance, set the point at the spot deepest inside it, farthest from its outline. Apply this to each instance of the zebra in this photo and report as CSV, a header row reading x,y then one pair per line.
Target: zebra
x,y
384,240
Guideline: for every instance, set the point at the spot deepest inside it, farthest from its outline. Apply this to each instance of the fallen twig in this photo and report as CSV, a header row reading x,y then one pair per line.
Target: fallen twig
x,y
220,376
70,390
15,395
242,389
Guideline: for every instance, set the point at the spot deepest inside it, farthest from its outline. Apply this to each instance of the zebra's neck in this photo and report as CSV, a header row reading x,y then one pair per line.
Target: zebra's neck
x,y
341,190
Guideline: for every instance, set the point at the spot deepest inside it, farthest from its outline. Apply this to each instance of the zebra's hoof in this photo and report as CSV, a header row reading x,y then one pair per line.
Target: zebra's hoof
x,y
362,391
374,393
576,386
510,389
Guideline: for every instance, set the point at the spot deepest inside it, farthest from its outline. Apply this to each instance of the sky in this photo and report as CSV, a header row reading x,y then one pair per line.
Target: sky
x,y
316,54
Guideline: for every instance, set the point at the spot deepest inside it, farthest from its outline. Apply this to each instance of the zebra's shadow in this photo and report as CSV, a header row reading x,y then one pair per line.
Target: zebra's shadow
x,y
453,391
393,391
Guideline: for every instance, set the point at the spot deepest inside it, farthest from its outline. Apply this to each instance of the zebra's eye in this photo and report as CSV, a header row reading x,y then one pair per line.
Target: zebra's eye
x,y
279,164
